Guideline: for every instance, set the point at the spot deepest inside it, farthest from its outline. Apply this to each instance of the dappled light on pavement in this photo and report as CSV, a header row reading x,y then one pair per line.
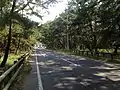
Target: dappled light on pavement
x,y
65,72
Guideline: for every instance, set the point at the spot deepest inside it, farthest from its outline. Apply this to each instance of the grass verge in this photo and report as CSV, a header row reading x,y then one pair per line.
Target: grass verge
x,y
11,58
10,61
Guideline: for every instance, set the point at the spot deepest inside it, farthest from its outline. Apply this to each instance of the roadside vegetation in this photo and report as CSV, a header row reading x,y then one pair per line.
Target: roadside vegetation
x,y
92,25
85,25
17,32
12,58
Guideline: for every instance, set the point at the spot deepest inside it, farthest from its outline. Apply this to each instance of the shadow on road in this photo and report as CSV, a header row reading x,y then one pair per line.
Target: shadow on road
x,y
64,72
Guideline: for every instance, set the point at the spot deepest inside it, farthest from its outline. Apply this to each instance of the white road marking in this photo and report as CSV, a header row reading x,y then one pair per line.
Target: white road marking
x,y
38,75
74,64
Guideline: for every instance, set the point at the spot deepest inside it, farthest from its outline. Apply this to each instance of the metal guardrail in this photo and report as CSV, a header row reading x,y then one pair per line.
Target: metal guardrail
x,y
111,56
9,76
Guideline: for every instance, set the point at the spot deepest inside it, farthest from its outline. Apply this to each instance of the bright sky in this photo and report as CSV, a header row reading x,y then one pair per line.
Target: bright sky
x,y
53,12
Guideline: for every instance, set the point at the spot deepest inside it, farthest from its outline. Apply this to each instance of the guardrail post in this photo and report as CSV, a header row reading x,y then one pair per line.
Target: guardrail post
x,y
8,76
79,52
1,85
91,53
82,52
103,54
76,51
112,56
15,61
87,53
97,54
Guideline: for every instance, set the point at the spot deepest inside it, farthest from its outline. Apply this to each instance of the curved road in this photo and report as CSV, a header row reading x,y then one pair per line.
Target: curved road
x,y
55,71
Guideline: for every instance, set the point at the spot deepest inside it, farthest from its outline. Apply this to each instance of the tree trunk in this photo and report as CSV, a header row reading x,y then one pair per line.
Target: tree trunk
x,y
9,36
67,41
17,46
96,49
115,50
7,47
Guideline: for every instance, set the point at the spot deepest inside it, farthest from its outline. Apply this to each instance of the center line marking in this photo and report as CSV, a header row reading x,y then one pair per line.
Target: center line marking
x,y
70,62
40,87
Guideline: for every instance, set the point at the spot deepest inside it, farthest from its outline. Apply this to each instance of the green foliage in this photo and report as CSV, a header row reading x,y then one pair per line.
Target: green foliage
x,y
86,24
22,33
12,58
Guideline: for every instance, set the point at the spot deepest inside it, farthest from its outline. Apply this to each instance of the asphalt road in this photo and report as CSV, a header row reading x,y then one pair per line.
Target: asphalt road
x,y
56,71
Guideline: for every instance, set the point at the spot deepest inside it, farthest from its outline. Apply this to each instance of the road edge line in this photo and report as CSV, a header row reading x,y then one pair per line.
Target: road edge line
x,y
38,75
